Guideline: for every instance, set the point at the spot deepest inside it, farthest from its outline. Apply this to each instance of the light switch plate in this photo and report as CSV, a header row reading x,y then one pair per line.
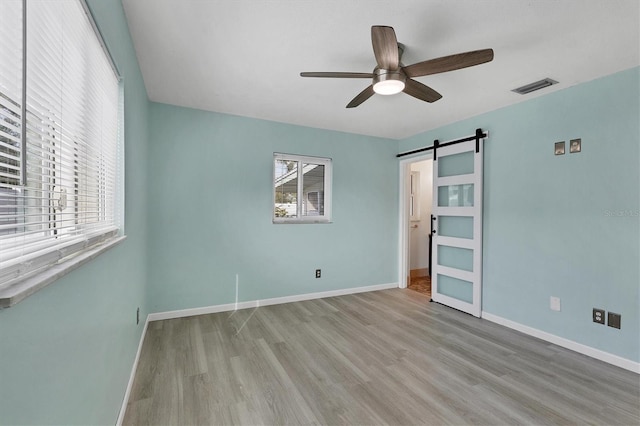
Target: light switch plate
x,y
614,320
554,303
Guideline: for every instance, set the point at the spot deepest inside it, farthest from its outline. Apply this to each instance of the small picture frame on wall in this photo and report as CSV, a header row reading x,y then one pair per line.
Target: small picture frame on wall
x,y
575,145
559,148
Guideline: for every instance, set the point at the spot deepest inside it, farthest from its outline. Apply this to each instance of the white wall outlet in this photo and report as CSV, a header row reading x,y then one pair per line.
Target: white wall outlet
x,y
554,303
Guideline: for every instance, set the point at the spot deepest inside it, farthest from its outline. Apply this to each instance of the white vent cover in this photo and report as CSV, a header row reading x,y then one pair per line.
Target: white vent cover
x,y
532,87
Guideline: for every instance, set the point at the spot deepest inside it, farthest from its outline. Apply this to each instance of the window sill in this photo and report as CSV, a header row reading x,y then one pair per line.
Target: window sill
x,y
22,289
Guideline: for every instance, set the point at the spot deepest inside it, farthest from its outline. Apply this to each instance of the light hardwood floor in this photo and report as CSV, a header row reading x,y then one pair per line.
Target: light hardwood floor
x,y
386,357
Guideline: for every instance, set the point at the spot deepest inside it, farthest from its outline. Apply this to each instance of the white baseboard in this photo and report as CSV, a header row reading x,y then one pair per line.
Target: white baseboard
x,y
265,302
607,357
132,375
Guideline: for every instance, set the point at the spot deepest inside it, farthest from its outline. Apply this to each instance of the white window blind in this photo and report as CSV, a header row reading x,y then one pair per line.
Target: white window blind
x,y
57,187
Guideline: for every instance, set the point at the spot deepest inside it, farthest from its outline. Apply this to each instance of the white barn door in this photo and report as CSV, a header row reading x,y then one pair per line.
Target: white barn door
x,y
456,273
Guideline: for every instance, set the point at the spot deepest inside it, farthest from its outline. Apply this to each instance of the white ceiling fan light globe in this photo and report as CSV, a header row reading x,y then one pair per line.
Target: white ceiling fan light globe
x,y
388,87
388,82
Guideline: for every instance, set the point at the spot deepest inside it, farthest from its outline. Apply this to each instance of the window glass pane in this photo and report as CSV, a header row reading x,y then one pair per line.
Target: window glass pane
x,y
455,226
313,189
414,196
456,164
286,188
456,195
10,113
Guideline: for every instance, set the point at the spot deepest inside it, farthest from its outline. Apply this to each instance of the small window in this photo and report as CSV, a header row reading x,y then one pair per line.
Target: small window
x,y
414,196
302,189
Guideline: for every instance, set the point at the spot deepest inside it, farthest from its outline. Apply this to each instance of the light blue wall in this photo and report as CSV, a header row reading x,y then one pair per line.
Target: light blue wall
x,y
211,209
66,352
565,226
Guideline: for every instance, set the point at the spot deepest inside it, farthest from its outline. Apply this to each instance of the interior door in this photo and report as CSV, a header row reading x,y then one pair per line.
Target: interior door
x,y
457,227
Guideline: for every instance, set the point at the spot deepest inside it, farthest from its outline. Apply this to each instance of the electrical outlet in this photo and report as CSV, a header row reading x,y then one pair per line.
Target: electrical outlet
x,y
318,273
138,316
614,320
554,303
598,315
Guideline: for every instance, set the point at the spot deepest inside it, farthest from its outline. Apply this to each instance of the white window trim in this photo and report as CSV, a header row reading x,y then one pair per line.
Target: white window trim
x,y
328,174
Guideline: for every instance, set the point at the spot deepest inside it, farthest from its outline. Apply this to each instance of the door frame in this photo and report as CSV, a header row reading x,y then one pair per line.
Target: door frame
x,y
403,215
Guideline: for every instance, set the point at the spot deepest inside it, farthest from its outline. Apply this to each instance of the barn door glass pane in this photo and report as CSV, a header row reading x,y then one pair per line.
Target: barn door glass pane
x,y
456,164
455,257
456,195
456,288
455,226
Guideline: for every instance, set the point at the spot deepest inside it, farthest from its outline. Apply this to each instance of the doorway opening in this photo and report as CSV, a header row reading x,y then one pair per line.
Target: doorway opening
x,y
416,191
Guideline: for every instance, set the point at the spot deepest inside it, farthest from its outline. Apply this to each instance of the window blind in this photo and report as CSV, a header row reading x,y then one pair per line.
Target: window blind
x,y
63,201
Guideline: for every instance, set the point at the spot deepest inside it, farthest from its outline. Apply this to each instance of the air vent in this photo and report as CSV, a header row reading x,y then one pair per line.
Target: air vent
x,y
532,87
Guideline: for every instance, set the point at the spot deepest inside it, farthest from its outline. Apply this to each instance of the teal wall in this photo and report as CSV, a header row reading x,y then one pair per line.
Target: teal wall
x,y
66,352
211,207
565,226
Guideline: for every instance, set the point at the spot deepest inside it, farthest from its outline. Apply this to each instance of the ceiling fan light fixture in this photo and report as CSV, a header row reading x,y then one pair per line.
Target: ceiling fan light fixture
x,y
390,76
388,82
388,87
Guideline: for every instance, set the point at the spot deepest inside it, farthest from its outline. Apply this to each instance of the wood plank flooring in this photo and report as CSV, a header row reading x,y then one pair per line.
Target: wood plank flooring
x,y
386,357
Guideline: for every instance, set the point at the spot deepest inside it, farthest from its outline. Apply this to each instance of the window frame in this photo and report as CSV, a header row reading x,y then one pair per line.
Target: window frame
x,y
327,163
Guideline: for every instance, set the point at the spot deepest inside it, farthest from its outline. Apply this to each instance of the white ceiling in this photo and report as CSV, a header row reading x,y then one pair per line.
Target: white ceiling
x,y
244,57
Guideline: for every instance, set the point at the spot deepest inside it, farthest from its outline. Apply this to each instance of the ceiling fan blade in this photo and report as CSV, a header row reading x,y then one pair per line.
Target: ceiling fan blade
x,y
361,97
385,47
420,91
337,74
449,63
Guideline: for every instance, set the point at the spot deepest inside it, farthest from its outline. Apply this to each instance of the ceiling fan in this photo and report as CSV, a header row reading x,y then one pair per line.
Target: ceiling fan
x,y
390,76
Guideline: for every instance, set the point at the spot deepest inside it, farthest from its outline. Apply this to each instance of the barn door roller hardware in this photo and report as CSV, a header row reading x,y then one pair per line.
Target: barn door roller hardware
x,y
436,144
